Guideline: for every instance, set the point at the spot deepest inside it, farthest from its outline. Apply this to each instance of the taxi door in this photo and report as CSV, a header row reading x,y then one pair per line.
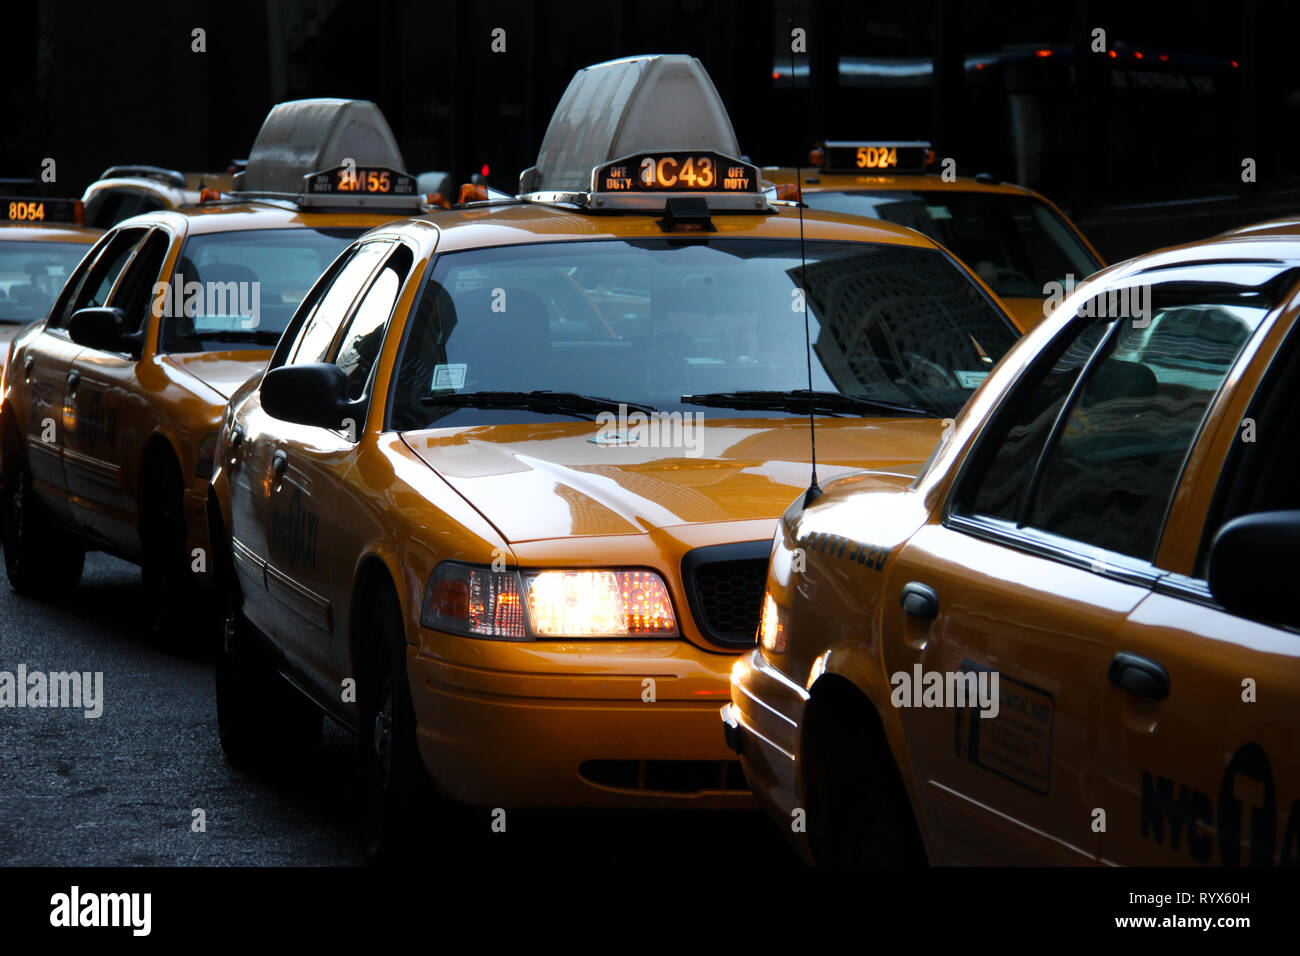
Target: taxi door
x,y
48,369
301,514
981,592
1206,769
113,417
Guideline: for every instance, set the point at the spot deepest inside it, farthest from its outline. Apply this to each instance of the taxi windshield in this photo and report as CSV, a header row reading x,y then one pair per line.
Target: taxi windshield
x,y
235,290
31,275
1016,244
508,334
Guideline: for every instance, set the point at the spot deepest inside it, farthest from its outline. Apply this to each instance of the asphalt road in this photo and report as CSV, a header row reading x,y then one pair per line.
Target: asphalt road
x,y
122,788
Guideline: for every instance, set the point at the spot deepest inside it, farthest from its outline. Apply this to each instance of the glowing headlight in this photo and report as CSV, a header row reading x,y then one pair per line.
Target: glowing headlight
x,y
479,602
771,629
599,604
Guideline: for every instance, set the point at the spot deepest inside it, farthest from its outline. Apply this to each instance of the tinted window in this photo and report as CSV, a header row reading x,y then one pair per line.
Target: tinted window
x,y
109,265
1016,244
135,294
31,275
317,335
240,289
364,335
1110,476
1114,455
659,321
1027,425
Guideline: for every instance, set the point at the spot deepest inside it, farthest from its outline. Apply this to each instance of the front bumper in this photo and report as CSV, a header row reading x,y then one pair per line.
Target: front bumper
x,y
551,723
761,724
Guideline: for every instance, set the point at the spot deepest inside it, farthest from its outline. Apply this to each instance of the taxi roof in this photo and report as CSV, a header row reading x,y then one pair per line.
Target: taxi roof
x,y
244,215
1287,226
814,180
1279,243
516,223
41,232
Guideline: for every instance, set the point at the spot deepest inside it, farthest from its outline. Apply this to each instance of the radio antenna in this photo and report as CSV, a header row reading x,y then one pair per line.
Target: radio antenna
x,y
814,490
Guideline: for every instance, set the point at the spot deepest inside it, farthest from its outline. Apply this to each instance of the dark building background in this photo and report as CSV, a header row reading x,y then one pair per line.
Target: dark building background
x,y
1183,94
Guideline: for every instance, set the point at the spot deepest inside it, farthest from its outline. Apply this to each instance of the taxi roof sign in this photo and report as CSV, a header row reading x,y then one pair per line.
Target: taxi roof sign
x,y
854,156
301,140
30,209
640,104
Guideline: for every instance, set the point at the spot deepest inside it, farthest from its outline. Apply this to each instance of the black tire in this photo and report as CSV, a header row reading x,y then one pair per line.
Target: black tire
x,y
858,810
41,559
171,589
396,791
265,723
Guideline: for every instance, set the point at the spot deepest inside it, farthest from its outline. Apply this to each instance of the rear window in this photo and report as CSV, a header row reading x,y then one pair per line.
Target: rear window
x,y
1016,244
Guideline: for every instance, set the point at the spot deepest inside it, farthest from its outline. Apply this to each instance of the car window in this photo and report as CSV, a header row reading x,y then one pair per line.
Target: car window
x,y
134,295
31,275
1016,244
99,281
681,325
1096,459
317,334
108,207
1034,411
359,346
239,290
1259,472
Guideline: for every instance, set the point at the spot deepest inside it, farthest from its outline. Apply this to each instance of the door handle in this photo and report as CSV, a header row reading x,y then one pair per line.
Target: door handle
x,y
279,464
74,379
29,363
919,600
236,436
1139,675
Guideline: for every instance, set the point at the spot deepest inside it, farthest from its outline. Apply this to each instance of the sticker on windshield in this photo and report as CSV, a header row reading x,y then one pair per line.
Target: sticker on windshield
x,y
449,376
938,212
968,378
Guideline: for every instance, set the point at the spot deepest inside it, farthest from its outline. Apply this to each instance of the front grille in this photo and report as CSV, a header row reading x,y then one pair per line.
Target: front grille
x,y
666,776
725,588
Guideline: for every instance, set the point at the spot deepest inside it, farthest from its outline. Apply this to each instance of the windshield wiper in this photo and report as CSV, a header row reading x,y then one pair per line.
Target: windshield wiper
x,y
832,403
540,400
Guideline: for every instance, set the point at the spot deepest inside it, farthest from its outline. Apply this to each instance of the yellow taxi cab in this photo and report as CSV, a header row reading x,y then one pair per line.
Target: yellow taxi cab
x,y
1017,241
505,511
111,403
1071,637
41,241
125,191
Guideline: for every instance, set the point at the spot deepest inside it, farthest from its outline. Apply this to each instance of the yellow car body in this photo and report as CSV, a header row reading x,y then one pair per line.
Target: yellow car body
x,y
325,523
1016,240
1088,533
115,432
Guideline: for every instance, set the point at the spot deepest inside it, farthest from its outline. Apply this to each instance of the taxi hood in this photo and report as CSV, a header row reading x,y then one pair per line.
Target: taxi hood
x,y
223,372
555,480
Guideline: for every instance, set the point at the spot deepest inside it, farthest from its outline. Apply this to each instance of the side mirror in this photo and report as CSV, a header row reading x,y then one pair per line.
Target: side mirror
x,y
315,394
1254,564
98,328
